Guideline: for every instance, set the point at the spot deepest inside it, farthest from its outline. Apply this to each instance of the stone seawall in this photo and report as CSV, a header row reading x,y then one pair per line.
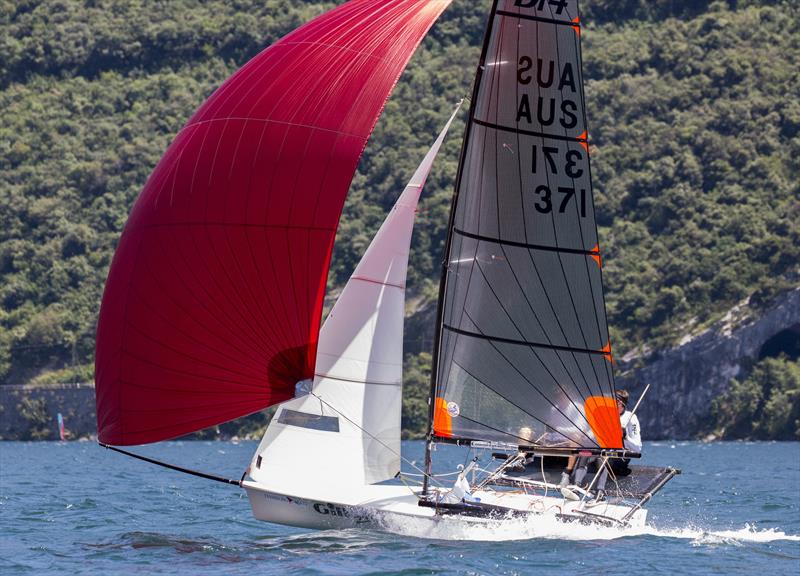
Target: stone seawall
x,y
684,379
28,413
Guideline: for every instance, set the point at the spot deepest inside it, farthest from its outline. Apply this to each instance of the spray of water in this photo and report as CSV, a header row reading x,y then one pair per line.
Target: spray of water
x,y
549,527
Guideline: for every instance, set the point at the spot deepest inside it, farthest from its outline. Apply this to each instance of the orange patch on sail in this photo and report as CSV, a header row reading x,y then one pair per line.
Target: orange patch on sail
x,y
603,416
442,421
595,254
606,350
583,140
577,27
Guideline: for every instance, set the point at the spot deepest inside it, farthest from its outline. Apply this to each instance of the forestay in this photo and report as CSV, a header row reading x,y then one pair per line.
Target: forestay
x,y
523,352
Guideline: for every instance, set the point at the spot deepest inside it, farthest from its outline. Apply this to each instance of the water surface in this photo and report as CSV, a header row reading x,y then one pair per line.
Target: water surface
x,y
76,508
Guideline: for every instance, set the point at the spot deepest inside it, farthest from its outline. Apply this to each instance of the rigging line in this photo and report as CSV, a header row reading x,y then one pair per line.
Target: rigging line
x,y
480,269
354,381
378,440
525,378
521,409
188,471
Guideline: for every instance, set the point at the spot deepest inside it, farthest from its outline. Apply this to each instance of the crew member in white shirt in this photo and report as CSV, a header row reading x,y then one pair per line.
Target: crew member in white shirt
x,y
631,431
632,440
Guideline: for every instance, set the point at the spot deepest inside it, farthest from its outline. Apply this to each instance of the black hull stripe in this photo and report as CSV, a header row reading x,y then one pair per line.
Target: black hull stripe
x,y
522,342
523,244
502,128
569,23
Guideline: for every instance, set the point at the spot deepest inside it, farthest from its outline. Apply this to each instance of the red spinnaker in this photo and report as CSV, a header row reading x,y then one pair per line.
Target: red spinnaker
x,y
212,306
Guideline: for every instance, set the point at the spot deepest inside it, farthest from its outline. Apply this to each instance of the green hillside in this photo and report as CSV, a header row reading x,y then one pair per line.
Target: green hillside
x,y
693,111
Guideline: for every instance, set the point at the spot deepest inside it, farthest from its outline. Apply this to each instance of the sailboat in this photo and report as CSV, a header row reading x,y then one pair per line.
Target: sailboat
x,y
213,304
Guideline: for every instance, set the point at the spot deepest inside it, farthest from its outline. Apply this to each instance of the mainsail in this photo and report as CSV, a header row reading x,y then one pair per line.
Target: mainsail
x,y
213,301
523,353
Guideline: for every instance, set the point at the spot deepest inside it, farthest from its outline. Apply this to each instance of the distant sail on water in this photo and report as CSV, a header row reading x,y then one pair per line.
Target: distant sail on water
x,y
523,349
214,299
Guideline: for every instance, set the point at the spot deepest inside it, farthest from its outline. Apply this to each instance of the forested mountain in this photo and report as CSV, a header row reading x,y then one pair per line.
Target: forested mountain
x,y
694,117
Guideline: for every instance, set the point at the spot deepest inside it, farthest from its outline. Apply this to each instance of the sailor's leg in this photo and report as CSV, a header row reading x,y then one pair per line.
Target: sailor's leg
x,y
600,485
567,472
580,470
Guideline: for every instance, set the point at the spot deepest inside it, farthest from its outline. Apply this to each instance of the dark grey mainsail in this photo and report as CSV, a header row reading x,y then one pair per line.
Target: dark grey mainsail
x,y
522,353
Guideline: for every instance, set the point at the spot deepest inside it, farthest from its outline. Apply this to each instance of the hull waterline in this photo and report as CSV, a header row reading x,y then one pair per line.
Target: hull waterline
x,y
382,506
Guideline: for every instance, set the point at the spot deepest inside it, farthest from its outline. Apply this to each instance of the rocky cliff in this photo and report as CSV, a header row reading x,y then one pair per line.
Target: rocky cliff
x,y
685,379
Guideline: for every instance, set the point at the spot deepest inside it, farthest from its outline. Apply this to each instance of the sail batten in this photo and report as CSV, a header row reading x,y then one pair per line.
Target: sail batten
x,y
523,352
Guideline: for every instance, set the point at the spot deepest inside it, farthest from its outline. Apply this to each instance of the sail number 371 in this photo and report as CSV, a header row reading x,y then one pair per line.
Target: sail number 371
x,y
544,203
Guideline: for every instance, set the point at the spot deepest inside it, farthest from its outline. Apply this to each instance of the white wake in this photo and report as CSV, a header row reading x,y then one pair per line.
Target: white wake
x,y
549,527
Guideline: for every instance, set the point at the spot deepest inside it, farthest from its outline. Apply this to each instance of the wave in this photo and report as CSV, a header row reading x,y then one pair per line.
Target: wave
x,y
550,527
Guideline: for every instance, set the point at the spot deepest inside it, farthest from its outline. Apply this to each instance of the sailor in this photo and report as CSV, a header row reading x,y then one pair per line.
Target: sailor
x,y
632,440
631,431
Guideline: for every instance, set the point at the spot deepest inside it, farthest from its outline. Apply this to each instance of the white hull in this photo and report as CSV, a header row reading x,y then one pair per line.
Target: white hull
x,y
379,505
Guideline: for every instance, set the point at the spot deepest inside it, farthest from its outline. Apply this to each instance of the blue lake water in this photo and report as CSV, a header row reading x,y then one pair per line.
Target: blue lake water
x,y
76,508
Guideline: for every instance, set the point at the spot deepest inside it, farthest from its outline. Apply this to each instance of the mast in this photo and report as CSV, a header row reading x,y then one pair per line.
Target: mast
x,y
446,258
522,353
